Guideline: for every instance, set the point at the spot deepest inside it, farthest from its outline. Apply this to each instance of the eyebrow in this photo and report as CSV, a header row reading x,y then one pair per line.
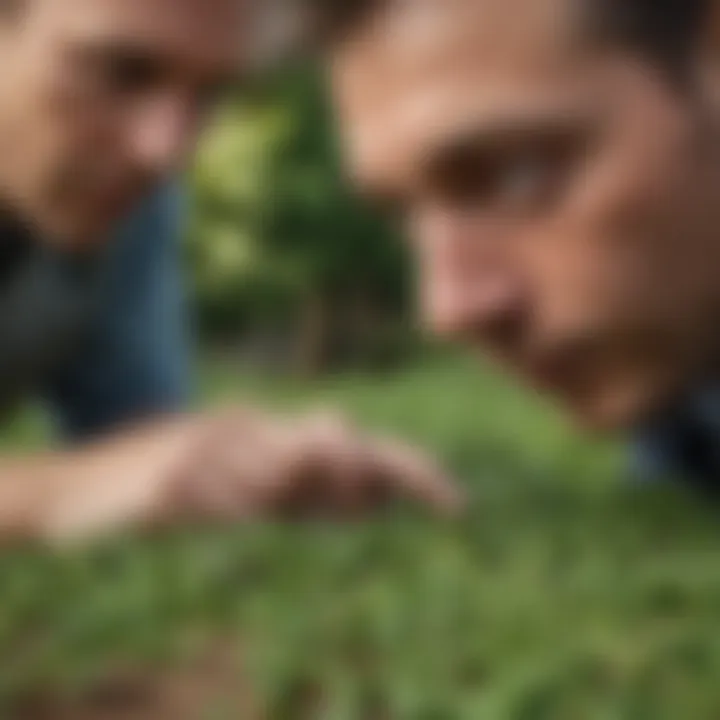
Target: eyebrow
x,y
499,134
136,49
531,126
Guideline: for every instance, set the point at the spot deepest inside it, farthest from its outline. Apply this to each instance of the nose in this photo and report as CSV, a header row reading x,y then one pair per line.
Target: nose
x,y
470,306
162,130
469,288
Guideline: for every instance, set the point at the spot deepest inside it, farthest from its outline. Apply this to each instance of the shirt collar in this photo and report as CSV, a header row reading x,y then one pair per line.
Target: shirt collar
x,y
684,443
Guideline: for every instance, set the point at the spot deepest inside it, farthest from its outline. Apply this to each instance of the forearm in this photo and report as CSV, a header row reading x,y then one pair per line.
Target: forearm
x,y
25,484
230,466
100,488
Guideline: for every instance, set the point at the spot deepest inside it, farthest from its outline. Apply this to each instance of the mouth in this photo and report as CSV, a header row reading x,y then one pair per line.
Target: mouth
x,y
100,214
599,391
556,372
113,204
109,201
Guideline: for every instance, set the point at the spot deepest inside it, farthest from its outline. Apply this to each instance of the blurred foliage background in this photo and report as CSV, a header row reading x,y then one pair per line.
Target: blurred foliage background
x,y
288,263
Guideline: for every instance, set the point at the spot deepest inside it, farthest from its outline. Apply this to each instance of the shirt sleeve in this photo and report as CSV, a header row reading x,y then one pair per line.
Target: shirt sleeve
x,y
138,363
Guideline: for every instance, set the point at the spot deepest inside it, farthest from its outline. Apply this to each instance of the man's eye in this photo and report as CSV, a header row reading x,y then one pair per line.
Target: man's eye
x,y
128,73
536,178
524,184
510,181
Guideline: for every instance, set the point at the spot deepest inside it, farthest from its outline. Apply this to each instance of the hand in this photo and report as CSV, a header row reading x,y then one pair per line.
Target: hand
x,y
250,466
235,466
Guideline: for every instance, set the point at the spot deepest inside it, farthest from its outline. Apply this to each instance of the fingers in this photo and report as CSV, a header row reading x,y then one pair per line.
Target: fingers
x,y
363,475
325,474
415,476
252,466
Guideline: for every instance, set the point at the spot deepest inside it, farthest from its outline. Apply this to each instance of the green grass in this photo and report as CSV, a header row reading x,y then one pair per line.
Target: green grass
x,y
563,595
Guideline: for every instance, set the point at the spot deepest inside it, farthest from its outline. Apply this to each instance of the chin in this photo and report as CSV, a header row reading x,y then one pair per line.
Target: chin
x,y
84,236
594,422
616,412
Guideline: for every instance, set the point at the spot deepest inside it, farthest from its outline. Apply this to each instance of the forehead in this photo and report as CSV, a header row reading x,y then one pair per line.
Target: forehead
x,y
202,30
420,69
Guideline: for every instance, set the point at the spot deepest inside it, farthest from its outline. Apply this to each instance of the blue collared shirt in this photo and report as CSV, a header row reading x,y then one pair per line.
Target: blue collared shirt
x,y
138,361
684,444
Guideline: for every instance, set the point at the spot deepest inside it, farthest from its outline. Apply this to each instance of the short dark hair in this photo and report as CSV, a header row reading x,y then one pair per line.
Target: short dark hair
x,y
664,30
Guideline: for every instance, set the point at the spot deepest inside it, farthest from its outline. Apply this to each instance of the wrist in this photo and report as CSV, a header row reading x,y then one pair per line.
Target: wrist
x,y
115,485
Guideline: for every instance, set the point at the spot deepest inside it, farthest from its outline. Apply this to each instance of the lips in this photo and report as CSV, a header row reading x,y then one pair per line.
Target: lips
x,y
112,204
556,372
116,202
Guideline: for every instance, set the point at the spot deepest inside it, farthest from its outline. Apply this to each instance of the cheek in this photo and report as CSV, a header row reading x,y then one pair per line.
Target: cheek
x,y
77,111
84,148
50,135
584,284
50,140
628,252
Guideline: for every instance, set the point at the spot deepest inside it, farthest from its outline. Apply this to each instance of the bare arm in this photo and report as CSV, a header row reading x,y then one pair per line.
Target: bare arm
x,y
232,466
51,495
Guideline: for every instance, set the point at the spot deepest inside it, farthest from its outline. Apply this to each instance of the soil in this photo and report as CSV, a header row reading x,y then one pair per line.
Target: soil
x,y
212,686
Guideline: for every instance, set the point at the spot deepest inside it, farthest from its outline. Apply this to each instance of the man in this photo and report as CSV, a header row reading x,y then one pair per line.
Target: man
x,y
556,164
101,102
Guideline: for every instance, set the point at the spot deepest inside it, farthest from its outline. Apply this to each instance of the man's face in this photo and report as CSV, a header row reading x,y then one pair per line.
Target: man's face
x,y
101,99
563,199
